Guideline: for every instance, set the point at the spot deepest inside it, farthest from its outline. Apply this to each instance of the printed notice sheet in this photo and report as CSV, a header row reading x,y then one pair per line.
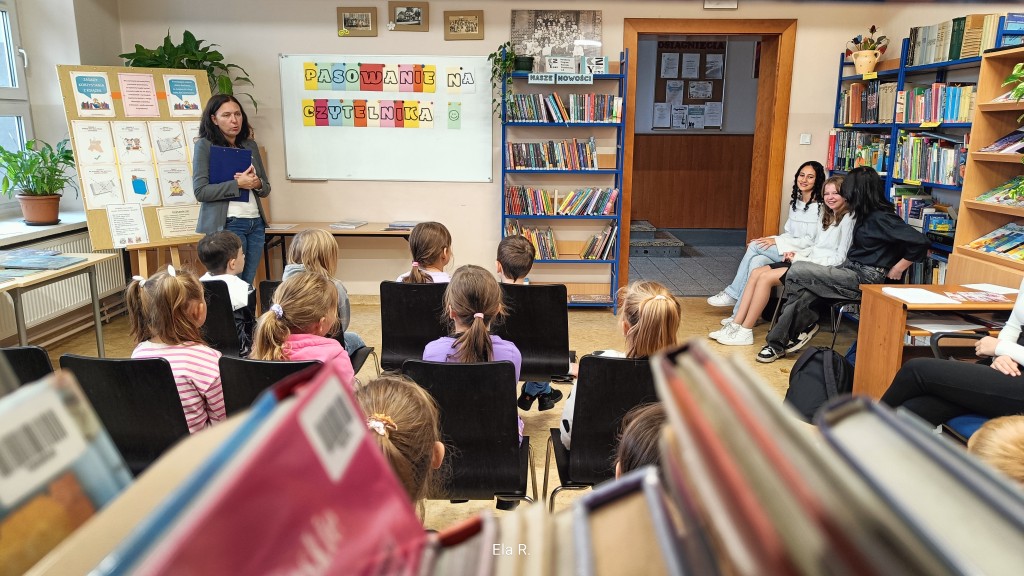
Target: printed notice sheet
x,y
691,66
679,116
674,92
714,66
93,142
139,184
127,225
670,65
662,115
176,184
132,142
92,94
101,185
182,96
138,95
698,90
176,221
713,114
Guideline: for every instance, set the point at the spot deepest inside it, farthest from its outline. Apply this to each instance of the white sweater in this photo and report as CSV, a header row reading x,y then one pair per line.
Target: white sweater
x,y
830,246
801,224
1007,345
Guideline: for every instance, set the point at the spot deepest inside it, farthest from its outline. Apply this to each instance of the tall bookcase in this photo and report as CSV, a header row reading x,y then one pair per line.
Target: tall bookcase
x,y
544,161
984,172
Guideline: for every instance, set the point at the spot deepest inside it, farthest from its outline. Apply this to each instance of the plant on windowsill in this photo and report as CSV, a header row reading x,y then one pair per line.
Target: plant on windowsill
x,y
36,176
192,55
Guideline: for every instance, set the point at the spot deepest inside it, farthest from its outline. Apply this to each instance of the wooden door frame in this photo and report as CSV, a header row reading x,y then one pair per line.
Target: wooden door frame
x,y
771,123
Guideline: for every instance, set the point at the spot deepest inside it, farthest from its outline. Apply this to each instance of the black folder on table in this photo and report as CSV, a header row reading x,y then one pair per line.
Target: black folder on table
x,y
225,162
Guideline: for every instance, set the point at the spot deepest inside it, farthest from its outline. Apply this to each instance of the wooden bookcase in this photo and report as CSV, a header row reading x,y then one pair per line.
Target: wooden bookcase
x,y
984,172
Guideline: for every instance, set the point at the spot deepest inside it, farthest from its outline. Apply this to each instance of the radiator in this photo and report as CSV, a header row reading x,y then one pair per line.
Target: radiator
x,y
49,302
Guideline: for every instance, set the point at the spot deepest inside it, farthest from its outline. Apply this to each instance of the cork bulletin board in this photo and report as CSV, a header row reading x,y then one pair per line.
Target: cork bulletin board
x,y
689,85
132,132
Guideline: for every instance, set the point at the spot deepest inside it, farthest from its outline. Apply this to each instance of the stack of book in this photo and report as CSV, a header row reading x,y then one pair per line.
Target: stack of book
x,y
1009,193
348,224
930,157
938,102
911,205
1012,143
1013,29
849,149
526,200
551,155
867,103
1006,241
601,246
543,240
963,37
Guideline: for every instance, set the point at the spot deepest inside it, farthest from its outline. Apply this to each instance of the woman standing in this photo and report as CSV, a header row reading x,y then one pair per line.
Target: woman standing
x,y
221,206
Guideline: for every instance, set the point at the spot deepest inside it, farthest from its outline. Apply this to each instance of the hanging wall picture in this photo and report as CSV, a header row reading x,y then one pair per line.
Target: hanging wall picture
x,y
357,22
541,33
408,16
464,25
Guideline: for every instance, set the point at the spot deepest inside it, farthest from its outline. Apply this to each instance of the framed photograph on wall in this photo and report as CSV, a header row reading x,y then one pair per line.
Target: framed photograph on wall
x,y
464,25
541,33
358,21
409,16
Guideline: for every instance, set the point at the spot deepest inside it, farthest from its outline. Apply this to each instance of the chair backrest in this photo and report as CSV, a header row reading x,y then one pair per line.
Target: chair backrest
x,y
137,401
478,423
243,379
219,330
608,388
30,363
267,288
538,324
410,318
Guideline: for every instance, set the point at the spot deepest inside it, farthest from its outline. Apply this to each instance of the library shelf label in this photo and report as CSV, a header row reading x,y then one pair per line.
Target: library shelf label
x,y
574,78
539,78
869,76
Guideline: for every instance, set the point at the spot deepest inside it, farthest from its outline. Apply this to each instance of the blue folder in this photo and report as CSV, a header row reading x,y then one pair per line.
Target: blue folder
x,y
226,162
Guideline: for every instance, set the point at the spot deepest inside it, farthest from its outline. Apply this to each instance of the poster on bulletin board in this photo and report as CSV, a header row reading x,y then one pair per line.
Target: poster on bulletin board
x,y
690,84
132,132
415,118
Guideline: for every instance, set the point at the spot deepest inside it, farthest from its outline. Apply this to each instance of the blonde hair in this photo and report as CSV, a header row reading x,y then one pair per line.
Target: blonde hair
x,y
302,300
475,299
409,428
427,242
1000,443
159,307
829,216
316,250
652,316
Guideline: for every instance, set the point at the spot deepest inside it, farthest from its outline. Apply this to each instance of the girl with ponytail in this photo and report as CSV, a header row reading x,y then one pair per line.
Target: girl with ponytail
x,y
431,247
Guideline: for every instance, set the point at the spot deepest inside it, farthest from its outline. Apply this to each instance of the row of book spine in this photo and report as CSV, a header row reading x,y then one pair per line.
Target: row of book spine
x,y
869,102
1013,29
526,200
543,240
963,37
551,108
557,155
931,270
849,149
930,158
601,245
938,102
1007,241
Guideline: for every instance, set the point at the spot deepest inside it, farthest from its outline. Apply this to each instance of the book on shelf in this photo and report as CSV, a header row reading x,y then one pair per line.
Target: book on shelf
x,y
1006,141
348,224
1009,193
569,154
1007,241
590,299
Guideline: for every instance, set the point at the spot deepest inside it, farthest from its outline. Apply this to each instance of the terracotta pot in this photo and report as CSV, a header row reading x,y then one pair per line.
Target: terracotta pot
x,y
40,210
864,60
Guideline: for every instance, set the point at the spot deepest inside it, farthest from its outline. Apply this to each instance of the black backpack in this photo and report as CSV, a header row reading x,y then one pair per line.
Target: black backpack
x,y
819,375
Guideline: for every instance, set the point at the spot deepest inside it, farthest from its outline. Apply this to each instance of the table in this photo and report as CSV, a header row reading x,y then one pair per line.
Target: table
x,y
19,286
883,326
278,237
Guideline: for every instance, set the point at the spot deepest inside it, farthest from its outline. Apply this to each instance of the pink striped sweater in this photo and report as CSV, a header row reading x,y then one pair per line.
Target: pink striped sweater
x,y
197,375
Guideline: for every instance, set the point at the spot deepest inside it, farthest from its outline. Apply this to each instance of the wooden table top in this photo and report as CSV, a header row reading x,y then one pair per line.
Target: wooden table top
x,y
876,290
91,259
368,229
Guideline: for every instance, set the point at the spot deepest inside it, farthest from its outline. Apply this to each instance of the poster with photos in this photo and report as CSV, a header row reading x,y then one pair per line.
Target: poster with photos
x,y
695,97
540,33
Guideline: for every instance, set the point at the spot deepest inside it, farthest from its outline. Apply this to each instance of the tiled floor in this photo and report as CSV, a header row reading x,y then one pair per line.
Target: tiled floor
x,y
702,271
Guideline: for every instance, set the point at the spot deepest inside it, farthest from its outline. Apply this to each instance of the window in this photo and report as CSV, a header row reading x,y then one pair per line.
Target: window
x,y
15,118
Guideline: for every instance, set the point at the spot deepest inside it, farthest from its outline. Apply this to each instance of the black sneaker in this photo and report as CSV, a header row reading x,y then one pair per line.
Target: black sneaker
x,y
802,339
525,401
548,401
769,354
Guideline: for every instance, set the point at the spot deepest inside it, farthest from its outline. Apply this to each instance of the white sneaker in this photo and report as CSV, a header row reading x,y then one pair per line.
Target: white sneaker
x,y
729,320
720,333
738,336
722,299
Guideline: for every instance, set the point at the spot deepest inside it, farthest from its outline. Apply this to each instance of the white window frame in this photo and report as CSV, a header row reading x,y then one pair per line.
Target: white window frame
x,y
15,101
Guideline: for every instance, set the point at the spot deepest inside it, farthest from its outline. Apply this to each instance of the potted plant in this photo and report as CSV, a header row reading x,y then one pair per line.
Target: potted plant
x,y
192,55
502,65
865,51
36,176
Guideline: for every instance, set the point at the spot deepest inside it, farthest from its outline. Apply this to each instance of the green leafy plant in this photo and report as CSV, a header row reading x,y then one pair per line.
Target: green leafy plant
x,y
191,54
502,64
860,42
38,170
1016,79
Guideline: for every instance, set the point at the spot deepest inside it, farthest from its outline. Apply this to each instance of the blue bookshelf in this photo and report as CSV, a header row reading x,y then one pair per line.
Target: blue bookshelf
x,y
519,184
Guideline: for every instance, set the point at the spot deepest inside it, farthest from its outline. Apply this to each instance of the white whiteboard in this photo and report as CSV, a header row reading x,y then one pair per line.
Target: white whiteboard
x,y
341,120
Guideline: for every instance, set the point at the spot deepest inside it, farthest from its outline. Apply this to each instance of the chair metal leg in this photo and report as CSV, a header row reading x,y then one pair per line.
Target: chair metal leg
x,y
533,474
551,499
775,315
547,463
376,362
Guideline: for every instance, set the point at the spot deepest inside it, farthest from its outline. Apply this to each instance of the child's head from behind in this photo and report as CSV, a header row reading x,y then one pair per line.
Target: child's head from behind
x,y
515,257
431,247
305,303
638,442
316,250
221,252
650,318
472,301
404,421
1000,443
168,305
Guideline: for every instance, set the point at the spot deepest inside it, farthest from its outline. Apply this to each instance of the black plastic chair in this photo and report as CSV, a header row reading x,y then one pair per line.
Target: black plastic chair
x,y
267,288
243,380
359,357
219,330
410,318
137,401
537,322
609,387
480,429
30,363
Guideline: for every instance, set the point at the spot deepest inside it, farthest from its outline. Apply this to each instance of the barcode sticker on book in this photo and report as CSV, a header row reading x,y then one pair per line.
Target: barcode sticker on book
x,y
37,441
333,427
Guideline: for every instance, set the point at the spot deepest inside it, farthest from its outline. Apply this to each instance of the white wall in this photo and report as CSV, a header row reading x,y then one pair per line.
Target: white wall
x,y
253,32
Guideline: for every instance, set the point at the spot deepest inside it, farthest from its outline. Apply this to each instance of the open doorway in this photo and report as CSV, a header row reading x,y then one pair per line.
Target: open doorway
x,y
659,169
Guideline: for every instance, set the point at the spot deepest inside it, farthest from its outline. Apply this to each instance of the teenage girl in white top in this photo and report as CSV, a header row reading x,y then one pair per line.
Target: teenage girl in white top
x,y
828,247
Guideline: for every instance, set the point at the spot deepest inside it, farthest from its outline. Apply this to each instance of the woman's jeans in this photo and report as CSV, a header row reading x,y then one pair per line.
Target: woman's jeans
x,y
754,257
252,232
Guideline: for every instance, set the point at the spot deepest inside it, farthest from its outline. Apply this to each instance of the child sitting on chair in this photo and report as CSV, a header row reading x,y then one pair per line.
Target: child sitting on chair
x,y
404,421
1000,443
515,260
431,247
638,443
222,255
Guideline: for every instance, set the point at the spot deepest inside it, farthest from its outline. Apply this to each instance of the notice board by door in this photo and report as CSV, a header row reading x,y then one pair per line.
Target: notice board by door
x,y
417,118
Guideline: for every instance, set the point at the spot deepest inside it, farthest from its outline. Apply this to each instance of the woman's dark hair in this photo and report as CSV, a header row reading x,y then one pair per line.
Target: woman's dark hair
x,y
819,184
865,193
210,131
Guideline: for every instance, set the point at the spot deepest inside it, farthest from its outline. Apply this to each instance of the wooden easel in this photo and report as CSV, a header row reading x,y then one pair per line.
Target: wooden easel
x,y
173,247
